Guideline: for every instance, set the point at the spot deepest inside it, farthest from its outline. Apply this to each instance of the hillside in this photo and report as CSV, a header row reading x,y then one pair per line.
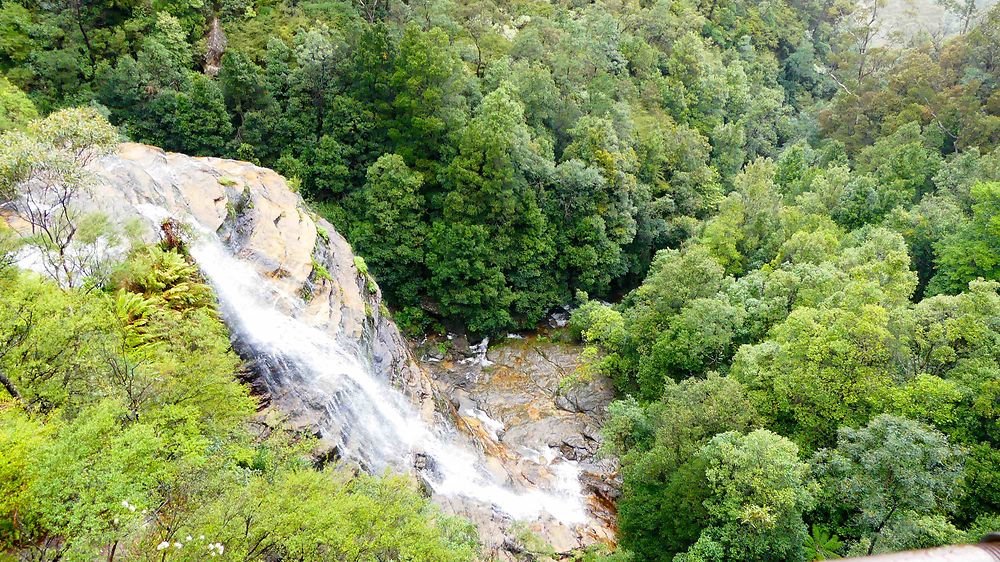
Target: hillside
x,y
733,268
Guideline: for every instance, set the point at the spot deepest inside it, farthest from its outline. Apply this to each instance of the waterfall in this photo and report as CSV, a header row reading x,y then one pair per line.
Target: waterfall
x,y
375,423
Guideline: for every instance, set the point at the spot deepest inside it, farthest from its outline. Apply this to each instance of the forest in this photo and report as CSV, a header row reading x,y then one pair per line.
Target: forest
x,y
776,222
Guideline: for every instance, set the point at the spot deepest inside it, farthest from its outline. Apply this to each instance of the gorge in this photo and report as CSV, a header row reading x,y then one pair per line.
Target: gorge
x,y
532,281
307,318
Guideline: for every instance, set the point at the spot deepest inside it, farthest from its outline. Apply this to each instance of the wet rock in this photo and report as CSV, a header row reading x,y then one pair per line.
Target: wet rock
x,y
604,480
325,455
588,398
434,353
460,344
422,462
253,211
522,387
559,318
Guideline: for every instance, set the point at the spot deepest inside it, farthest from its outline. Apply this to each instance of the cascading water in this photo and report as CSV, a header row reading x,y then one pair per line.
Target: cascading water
x,y
333,365
372,421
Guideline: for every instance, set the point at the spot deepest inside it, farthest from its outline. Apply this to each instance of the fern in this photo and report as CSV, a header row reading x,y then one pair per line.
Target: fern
x,y
821,545
360,265
320,271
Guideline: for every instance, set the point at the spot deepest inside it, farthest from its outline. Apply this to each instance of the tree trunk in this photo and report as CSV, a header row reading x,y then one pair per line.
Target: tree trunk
x,y
78,12
10,387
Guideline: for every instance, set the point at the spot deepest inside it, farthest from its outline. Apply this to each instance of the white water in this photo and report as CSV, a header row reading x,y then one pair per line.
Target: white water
x,y
381,423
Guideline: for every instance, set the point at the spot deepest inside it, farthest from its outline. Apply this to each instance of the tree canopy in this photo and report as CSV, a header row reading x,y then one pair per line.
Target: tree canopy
x,y
776,223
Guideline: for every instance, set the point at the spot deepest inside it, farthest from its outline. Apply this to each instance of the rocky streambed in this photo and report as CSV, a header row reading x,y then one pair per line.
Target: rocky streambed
x,y
514,398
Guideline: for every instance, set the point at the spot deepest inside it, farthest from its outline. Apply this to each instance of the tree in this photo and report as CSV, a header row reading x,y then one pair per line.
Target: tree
x,y
16,109
464,283
48,338
78,482
242,84
20,324
820,369
428,82
963,170
392,232
318,52
9,243
741,236
675,279
971,252
492,185
946,332
372,10
309,514
597,143
169,36
923,226
902,166
327,175
758,492
878,268
701,338
887,472
592,256
202,122
481,20
860,56
42,171
662,511
965,10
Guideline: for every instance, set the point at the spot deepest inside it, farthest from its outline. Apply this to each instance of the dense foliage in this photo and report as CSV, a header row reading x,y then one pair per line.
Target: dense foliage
x,y
548,147
843,302
796,211
124,431
132,432
511,152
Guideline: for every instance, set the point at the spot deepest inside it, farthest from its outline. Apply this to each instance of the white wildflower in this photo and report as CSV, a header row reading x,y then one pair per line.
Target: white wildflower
x,y
178,545
162,545
189,539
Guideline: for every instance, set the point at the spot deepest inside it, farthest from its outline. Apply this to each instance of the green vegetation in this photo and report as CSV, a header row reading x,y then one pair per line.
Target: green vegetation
x,y
131,431
843,301
794,212
16,108
320,271
822,339
491,158
124,433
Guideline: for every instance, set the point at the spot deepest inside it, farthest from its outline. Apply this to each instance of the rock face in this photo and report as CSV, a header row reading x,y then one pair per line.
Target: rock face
x,y
514,397
268,225
513,411
215,46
